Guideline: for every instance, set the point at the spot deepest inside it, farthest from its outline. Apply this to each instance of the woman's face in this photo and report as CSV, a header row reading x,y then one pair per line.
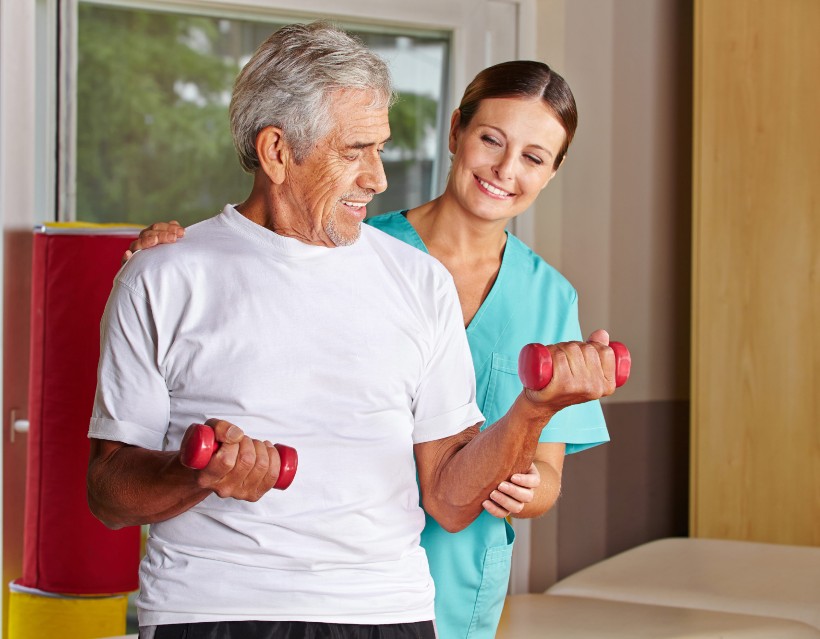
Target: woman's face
x,y
504,157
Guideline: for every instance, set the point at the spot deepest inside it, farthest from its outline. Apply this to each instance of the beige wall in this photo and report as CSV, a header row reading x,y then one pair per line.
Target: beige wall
x,y
616,222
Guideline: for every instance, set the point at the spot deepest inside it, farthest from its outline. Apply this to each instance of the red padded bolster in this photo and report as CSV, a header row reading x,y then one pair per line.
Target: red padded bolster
x,y
65,548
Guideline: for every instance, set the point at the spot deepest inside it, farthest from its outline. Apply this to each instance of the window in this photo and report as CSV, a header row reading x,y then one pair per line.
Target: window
x,y
152,132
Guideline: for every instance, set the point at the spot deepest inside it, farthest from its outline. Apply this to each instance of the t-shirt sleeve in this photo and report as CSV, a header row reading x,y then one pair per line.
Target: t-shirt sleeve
x,y
131,404
580,426
445,401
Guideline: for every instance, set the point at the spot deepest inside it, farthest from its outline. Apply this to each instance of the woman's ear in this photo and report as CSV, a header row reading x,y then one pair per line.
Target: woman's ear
x,y
549,179
273,153
455,127
554,171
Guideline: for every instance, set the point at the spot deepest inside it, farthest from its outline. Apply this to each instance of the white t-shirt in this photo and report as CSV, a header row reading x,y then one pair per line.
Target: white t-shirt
x,y
351,355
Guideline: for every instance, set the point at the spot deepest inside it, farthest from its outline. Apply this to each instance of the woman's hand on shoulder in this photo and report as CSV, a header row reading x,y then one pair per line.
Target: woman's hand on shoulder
x,y
157,233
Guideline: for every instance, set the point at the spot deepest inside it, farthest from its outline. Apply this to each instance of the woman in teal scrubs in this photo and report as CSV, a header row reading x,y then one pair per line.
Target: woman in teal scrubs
x,y
508,137
529,301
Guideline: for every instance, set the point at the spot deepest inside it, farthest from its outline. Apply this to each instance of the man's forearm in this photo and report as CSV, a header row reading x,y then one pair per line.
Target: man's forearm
x,y
473,470
131,486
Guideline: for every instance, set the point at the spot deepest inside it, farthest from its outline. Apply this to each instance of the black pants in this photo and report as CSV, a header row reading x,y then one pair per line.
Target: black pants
x,y
294,630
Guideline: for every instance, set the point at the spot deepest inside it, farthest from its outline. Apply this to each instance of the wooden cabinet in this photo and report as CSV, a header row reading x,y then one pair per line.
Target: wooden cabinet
x,y
756,271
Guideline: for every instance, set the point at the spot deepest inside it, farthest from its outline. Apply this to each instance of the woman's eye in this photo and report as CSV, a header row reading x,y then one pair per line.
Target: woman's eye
x,y
490,140
534,159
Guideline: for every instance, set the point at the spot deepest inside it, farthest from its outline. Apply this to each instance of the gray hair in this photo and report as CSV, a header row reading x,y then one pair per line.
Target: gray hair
x,y
288,83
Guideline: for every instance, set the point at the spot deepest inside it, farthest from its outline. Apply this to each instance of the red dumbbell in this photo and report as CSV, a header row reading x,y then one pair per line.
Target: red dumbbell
x,y
199,444
535,365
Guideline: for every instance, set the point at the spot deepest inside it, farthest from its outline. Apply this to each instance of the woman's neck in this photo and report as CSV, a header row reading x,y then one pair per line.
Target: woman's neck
x,y
469,247
451,233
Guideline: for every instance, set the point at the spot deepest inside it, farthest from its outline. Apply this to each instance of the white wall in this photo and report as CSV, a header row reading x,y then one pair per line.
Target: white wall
x,y
17,206
17,100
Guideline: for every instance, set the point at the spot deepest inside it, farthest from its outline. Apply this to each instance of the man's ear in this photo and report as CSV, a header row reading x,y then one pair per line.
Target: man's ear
x,y
273,153
455,124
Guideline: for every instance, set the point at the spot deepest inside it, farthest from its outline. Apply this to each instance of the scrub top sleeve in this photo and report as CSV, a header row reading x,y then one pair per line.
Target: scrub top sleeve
x,y
570,329
445,401
580,426
131,404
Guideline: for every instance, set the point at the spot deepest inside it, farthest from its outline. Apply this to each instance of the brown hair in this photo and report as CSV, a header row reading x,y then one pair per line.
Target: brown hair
x,y
527,79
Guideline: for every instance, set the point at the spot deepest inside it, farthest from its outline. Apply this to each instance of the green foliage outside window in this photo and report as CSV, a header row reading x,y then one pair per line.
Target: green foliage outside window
x,y
144,152
153,139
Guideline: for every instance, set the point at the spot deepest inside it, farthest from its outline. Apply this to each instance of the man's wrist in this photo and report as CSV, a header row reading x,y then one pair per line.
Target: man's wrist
x,y
535,413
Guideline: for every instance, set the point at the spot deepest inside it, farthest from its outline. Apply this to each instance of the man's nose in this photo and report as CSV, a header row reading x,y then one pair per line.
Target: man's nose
x,y
373,177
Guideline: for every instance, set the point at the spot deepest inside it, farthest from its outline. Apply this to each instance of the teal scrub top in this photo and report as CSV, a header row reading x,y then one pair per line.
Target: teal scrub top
x,y
529,302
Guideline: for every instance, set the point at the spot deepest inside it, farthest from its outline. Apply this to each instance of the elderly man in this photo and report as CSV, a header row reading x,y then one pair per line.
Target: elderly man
x,y
287,317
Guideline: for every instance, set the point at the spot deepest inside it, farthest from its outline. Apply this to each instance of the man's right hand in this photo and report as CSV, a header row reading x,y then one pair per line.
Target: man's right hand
x,y
242,468
157,233
131,486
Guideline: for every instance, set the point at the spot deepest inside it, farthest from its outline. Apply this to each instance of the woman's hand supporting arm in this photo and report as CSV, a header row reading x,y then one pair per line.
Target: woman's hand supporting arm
x,y
531,494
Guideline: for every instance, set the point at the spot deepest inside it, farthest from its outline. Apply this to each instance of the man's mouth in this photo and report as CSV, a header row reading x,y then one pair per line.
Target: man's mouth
x,y
494,190
358,209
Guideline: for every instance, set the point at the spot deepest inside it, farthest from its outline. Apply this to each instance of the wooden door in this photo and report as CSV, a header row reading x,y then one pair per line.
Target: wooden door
x,y
756,271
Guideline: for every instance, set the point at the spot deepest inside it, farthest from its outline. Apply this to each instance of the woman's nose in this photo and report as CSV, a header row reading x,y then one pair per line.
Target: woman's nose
x,y
504,167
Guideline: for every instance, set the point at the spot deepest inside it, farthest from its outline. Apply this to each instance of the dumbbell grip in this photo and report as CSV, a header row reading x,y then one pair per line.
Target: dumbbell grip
x,y
199,445
535,365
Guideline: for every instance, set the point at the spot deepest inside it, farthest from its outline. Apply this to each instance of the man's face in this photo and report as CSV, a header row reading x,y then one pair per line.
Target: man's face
x,y
328,192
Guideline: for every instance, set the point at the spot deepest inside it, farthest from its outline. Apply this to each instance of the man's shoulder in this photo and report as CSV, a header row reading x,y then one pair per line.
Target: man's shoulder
x,y
399,250
216,226
376,233
197,245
